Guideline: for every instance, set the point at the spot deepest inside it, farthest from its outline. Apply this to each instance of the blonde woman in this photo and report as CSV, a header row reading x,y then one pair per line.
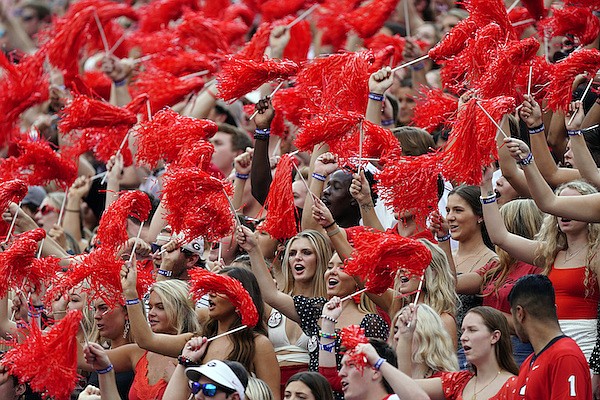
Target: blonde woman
x,y
429,347
566,251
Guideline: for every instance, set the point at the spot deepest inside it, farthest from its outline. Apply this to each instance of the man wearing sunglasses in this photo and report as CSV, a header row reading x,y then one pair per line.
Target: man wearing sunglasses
x,y
218,380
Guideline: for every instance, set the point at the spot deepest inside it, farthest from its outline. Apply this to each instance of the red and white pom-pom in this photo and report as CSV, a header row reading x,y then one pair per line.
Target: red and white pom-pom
x,y
14,262
112,230
291,103
11,191
335,129
481,51
508,60
521,20
472,143
47,361
22,86
410,184
434,109
332,23
164,89
203,282
560,90
255,73
368,19
163,137
577,21
282,217
38,164
151,43
197,204
98,83
84,112
454,42
156,15
351,336
541,74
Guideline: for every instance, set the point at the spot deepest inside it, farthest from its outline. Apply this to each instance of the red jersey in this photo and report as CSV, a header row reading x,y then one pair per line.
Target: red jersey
x,y
559,371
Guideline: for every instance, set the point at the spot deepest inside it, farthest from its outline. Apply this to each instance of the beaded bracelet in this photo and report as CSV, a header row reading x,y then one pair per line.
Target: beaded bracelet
x,y
242,176
527,160
132,302
537,129
328,318
575,132
325,335
379,363
376,96
488,200
319,177
444,238
186,362
329,347
105,370
165,273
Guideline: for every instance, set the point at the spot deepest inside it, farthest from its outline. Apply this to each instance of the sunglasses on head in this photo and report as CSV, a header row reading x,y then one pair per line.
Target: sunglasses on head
x,y
208,389
46,209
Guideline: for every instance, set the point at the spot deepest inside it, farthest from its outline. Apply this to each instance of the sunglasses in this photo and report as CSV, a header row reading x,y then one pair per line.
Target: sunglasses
x,y
208,389
46,209
155,247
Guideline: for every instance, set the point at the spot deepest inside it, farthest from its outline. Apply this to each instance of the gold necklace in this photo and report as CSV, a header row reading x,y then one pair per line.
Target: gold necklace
x,y
475,392
572,255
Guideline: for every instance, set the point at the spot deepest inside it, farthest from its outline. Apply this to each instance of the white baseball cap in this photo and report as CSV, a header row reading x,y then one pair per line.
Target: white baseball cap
x,y
218,372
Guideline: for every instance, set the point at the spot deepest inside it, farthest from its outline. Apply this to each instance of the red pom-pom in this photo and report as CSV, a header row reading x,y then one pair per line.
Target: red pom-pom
x,y
241,11
84,112
335,129
472,143
577,21
197,204
255,74
560,90
157,14
508,60
332,22
379,142
215,8
47,361
351,336
411,184
483,12
22,86
540,79
255,48
382,41
202,34
145,276
98,82
112,230
282,218
535,8
377,256
291,103
455,41
203,282
11,191
275,9
368,19
164,89
434,109
167,133
521,17
38,164
155,42
182,62
197,154
299,44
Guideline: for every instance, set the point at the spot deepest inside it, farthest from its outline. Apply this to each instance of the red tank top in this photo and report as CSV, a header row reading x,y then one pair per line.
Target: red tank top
x,y
140,388
571,301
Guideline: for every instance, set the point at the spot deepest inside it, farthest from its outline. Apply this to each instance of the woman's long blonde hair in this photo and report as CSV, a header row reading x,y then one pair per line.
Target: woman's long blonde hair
x,y
179,307
551,239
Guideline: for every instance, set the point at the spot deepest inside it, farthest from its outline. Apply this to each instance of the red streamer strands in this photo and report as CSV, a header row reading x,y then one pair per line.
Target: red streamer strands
x,y
560,91
540,79
203,282
164,89
276,9
255,47
145,277
335,129
434,109
22,86
577,21
15,263
85,112
508,60
156,42
369,18
299,44
98,82
481,51
167,133
535,7
519,15
472,143
241,11
378,142
215,8
103,141
381,41
454,42
201,33
112,230
377,256
47,361
156,15
37,164
282,217
197,154
255,74
11,191
290,103
197,204
483,12
332,22
351,336
182,62
410,184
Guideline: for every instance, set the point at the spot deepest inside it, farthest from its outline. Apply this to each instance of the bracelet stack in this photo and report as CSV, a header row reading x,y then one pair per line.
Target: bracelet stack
x,y
120,83
325,335
527,160
262,134
537,129
489,199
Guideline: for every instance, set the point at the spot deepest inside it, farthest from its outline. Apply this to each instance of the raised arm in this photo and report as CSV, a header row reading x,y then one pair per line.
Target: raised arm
x,y
168,345
242,165
322,164
119,71
510,170
72,219
338,237
260,176
97,358
519,247
584,208
581,153
192,354
114,172
379,82
284,303
361,191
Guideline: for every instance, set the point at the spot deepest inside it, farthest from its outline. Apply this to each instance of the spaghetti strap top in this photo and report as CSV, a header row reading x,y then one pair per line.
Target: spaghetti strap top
x,y
141,389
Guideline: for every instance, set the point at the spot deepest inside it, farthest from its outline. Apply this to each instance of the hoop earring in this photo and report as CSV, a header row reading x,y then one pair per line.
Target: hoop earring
x,y
126,329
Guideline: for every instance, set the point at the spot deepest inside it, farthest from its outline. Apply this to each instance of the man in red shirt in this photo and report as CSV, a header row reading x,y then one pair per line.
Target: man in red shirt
x,y
557,368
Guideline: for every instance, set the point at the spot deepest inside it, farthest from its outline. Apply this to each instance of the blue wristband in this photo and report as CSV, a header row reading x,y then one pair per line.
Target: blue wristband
x,y
105,370
132,302
488,200
527,160
120,83
444,238
242,176
330,347
574,132
379,363
418,66
319,177
165,273
376,96
537,129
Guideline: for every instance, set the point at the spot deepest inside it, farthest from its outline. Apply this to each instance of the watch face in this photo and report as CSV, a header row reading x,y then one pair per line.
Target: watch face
x,y
274,319
313,343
